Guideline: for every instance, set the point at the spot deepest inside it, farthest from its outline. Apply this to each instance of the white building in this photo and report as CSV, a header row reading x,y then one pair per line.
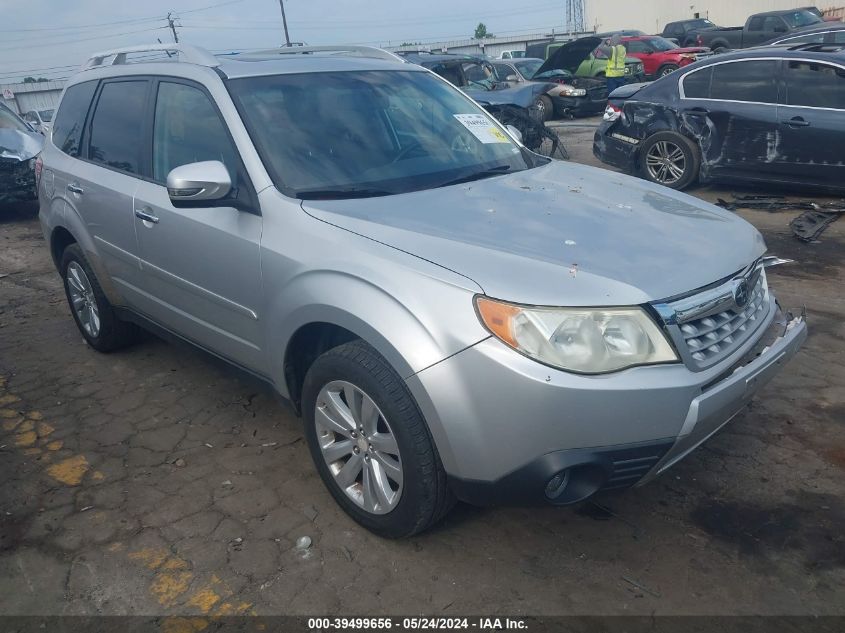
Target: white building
x,y
652,15
39,95
491,47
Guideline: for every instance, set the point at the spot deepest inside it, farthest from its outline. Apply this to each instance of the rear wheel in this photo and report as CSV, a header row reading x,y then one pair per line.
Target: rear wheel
x,y
669,159
94,315
370,443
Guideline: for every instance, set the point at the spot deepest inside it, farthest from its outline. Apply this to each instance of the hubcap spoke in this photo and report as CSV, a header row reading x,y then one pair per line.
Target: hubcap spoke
x,y
359,447
337,450
347,475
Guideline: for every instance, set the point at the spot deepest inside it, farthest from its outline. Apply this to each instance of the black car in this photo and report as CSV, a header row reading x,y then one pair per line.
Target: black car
x,y
572,96
769,114
827,33
685,31
19,145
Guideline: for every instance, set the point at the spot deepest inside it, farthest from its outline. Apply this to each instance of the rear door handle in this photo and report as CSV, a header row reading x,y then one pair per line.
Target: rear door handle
x,y
796,122
699,111
74,188
146,216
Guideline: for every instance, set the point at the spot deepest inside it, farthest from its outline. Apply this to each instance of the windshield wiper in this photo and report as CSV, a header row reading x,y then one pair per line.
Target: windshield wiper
x,y
339,194
479,175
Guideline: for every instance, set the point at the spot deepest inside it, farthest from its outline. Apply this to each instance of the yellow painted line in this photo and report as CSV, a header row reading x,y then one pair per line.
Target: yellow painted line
x,y
35,415
44,429
9,398
204,600
26,426
69,471
150,557
8,413
25,439
55,445
168,586
184,625
10,425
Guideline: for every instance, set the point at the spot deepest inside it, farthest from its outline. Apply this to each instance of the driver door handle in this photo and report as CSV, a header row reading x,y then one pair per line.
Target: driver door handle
x,y
74,188
146,215
796,122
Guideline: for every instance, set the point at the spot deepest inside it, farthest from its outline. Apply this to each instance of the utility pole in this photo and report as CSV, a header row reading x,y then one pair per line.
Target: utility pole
x,y
285,22
172,26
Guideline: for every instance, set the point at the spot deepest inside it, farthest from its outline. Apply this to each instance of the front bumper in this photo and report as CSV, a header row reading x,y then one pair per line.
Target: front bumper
x,y
17,181
506,425
578,106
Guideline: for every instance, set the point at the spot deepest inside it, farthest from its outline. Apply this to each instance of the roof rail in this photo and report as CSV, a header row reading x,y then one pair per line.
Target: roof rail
x,y
354,50
818,47
187,53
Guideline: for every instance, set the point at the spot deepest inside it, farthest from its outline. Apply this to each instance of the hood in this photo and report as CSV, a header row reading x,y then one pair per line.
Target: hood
x,y
523,95
690,49
560,234
571,55
19,145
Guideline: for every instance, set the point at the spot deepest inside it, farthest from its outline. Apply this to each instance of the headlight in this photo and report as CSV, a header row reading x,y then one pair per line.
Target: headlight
x,y
582,340
569,91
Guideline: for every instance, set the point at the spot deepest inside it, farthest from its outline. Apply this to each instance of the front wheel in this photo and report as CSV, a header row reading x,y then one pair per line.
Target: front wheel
x,y
370,443
669,159
668,69
545,108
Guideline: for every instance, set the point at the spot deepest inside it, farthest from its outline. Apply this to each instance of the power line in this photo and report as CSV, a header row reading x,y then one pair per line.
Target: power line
x,y
87,39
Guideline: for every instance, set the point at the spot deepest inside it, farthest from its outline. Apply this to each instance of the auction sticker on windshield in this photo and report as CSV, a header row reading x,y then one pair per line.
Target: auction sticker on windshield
x,y
482,128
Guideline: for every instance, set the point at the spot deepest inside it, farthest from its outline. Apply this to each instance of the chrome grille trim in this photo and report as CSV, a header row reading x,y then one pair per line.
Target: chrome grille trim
x,y
710,326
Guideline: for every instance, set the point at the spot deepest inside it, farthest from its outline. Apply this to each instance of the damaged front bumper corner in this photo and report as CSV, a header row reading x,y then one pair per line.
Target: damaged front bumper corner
x,y
719,404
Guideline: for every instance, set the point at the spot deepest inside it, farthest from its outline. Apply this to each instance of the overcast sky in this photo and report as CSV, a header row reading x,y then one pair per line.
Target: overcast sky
x,y
50,38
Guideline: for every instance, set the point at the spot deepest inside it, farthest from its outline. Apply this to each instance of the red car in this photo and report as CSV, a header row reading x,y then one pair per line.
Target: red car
x,y
660,56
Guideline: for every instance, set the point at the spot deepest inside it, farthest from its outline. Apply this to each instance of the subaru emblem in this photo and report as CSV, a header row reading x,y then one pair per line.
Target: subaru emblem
x,y
741,293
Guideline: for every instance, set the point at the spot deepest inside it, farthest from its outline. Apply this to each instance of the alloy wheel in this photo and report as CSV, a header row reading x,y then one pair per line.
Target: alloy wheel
x,y
82,299
358,447
666,162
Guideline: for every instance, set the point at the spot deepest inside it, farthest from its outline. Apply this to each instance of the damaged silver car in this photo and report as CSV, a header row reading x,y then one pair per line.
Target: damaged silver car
x,y
19,147
454,316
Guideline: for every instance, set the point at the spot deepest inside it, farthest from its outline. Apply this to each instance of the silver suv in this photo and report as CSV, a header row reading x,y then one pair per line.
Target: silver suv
x,y
452,315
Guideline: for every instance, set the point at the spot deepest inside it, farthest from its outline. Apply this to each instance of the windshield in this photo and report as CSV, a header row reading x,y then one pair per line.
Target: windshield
x,y
8,121
528,68
661,44
46,115
797,19
700,24
345,134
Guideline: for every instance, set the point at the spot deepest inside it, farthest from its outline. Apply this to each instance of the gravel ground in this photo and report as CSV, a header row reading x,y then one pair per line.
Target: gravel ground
x,y
155,481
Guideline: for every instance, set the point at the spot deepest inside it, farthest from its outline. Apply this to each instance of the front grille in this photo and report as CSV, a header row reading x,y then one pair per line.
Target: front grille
x,y
631,465
712,325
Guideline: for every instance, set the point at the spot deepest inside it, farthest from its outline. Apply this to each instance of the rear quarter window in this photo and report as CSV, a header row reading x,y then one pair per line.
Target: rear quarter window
x,y
70,119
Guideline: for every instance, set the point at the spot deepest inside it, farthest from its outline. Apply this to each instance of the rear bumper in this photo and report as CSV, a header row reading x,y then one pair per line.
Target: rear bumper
x,y
613,150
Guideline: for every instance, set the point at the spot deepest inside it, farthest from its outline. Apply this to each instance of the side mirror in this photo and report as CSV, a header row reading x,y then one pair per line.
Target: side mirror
x,y
515,132
198,182
512,78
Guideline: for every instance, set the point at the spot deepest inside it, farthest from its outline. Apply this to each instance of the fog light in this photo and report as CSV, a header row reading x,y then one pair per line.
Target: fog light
x,y
557,485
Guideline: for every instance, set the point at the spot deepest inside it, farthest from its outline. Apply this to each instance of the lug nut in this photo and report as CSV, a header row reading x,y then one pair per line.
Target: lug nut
x,y
354,434
356,450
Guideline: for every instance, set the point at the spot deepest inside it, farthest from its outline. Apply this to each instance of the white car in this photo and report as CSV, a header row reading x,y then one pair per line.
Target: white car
x,y
41,120
511,55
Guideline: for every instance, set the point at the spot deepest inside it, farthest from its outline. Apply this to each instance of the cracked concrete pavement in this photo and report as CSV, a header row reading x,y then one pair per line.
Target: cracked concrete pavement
x,y
155,481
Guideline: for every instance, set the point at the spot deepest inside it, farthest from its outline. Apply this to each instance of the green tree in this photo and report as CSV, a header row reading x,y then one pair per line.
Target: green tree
x,y
481,31
32,80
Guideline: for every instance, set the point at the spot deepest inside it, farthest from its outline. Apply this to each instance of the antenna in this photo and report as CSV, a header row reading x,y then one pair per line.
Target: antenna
x,y
575,16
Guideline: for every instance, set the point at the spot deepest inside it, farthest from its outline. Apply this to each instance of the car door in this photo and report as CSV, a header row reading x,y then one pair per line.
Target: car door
x,y
734,104
101,185
812,122
645,53
200,265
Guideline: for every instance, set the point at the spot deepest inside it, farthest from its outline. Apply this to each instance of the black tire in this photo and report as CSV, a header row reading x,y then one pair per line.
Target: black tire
x,y
668,69
113,333
425,496
545,105
691,159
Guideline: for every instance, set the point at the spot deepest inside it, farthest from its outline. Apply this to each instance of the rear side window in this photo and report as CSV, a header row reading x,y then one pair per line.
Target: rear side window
x,y
188,129
815,85
756,24
697,84
753,80
117,129
70,119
